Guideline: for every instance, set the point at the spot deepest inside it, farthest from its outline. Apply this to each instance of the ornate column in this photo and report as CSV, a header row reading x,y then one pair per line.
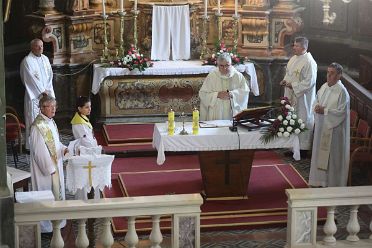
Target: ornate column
x,y
46,7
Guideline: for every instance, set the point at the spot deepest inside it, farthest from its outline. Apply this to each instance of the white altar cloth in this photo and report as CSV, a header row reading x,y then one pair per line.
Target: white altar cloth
x,y
212,139
77,173
169,68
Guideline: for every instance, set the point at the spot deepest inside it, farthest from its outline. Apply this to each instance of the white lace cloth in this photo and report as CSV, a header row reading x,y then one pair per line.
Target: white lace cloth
x,y
169,68
77,177
212,139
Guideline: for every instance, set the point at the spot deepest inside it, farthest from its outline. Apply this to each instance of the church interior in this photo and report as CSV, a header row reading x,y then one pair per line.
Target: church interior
x,y
87,42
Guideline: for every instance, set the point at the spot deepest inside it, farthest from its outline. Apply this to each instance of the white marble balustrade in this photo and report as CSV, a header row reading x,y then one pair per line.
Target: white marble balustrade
x,y
182,208
303,207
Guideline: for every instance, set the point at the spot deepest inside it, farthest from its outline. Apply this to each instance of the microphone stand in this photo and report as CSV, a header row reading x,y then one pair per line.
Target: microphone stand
x,y
234,127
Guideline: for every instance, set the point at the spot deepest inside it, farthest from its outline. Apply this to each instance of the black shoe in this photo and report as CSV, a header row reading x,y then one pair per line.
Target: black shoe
x,y
288,154
303,153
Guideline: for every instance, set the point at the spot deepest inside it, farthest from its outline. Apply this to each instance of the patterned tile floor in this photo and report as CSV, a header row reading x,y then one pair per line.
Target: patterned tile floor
x,y
256,238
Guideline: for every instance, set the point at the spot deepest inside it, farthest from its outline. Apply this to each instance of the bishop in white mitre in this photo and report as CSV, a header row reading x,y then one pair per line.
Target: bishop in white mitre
x,y
300,83
331,147
224,92
37,76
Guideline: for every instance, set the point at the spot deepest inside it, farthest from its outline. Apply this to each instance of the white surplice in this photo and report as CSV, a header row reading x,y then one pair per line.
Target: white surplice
x,y
213,108
331,147
301,72
37,76
42,165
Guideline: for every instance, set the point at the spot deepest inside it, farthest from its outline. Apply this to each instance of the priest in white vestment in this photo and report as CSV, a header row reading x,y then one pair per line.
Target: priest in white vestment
x,y
224,92
300,86
47,155
331,147
37,76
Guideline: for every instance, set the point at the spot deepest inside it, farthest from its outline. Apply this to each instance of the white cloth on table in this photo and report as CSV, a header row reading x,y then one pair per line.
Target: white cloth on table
x,y
77,177
170,29
37,76
170,68
37,196
213,139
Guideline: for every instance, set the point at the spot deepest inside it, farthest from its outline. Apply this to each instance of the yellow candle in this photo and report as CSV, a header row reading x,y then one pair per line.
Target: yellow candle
x,y
195,121
171,123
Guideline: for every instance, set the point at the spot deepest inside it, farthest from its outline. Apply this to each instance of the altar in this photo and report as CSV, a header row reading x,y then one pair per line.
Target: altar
x,y
225,157
134,96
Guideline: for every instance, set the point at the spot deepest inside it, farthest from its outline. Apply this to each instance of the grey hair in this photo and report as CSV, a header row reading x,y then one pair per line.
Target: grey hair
x,y
303,41
224,57
34,41
46,99
337,67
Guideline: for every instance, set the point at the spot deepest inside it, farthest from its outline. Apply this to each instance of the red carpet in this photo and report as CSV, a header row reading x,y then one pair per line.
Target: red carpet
x,y
266,204
119,133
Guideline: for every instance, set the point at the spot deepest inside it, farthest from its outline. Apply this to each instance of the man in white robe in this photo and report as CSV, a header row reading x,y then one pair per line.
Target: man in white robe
x,y
300,86
224,92
37,76
331,147
47,155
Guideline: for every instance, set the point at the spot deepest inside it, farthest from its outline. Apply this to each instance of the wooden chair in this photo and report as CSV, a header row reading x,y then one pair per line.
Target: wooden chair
x,y
354,117
361,156
360,135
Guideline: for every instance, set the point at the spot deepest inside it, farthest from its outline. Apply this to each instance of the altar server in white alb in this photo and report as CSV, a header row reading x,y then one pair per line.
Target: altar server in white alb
x,y
300,83
224,92
81,127
47,154
37,76
331,147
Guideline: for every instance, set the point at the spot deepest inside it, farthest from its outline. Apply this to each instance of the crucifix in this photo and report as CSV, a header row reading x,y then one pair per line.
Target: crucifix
x,y
226,161
90,167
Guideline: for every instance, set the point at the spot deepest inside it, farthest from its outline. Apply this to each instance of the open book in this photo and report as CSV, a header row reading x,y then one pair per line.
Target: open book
x,y
215,123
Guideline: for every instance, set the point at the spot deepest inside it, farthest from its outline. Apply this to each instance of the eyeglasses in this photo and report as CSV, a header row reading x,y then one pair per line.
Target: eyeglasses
x,y
224,66
50,106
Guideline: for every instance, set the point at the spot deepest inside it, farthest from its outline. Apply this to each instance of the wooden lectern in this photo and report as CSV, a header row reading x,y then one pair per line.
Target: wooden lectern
x,y
226,173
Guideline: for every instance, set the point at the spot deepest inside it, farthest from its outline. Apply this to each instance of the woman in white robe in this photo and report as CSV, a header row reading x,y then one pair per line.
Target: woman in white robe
x,y
224,92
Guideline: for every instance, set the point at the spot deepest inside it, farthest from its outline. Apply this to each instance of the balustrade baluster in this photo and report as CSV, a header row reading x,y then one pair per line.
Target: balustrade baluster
x,y
82,240
330,227
106,236
131,238
57,240
353,226
156,237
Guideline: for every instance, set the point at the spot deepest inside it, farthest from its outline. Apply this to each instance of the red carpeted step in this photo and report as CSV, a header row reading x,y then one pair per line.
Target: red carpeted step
x,y
121,133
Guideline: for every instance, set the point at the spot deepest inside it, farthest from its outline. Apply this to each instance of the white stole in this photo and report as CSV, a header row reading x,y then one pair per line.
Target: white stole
x,y
329,98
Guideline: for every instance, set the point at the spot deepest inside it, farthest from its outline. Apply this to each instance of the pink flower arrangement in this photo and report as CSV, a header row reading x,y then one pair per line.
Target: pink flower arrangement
x,y
221,48
132,60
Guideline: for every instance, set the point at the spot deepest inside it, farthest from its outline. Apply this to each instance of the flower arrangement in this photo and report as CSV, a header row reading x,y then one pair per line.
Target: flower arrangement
x,y
221,48
132,60
286,124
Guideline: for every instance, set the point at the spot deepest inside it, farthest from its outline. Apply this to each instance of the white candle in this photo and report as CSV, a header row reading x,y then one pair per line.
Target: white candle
x,y
236,7
103,8
121,5
135,5
205,8
218,6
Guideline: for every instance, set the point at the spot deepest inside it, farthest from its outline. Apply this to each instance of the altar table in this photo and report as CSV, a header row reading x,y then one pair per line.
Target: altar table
x,y
225,157
169,68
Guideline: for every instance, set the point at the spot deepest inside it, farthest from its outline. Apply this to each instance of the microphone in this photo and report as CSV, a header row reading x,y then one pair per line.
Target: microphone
x,y
234,127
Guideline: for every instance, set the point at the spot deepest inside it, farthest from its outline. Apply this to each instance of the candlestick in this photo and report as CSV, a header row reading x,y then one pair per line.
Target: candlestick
x,y
204,37
135,5
219,6
205,8
236,7
121,5
236,31
103,8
